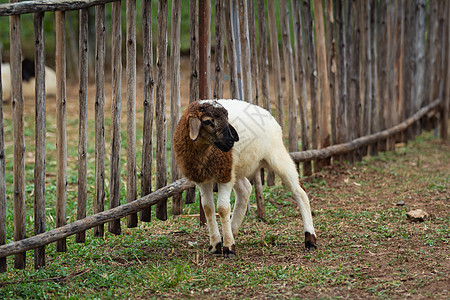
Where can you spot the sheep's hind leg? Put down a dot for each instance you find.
(285, 168)
(242, 189)
(224, 208)
(206, 191)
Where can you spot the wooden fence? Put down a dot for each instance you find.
(359, 76)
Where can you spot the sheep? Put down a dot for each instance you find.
(228, 141)
(28, 80)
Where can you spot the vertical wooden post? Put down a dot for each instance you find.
(263, 59)
(218, 53)
(61, 117)
(116, 109)
(374, 89)
(446, 99)
(313, 79)
(392, 29)
(367, 54)
(100, 34)
(82, 123)
(324, 104)
(161, 126)
(385, 44)
(409, 64)
(40, 131)
(231, 50)
(253, 52)
(273, 33)
(301, 81)
(204, 19)
(193, 80)
(148, 104)
(3, 266)
(131, 107)
(419, 44)
(290, 78)
(245, 52)
(399, 56)
(332, 68)
(354, 80)
(175, 105)
(19, 141)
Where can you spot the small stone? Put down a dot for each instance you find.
(401, 203)
(417, 215)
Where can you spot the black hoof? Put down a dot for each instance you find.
(217, 250)
(310, 241)
(229, 253)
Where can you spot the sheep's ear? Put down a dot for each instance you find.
(234, 133)
(194, 128)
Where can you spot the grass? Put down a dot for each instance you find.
(367, 248)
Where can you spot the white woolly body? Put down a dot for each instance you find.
(260, 145)
(260, 136)
(28, 87)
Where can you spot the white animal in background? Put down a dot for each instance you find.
(228, 141)
(28, 80)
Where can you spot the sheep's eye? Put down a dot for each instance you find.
(207, 123)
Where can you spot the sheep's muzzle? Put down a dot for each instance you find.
(229, 136)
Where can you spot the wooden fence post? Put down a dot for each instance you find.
(3, 266)
(446, 99)
(61, 117)
(245, 52)
(313, 79)
(82, 123)
(289, 75)
(218, 53)
(193, 78)
(161, 126)
(231, 50)
(131, 107)
(100, 34)
(302, 96)
(175, 106)
(322, 68)
(367, 62)
(273, 33)
(116, 109)
(147, 130)
(40, 131)
(373, 149)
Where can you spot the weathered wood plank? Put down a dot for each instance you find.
(302, 97)
(231, 50)
(373, 149)
(253, 52)
(131, 107)
(3, 208)
(263, 58)
(161, 126)
(367, 56)
(324, 104)
(36, 6)
(276, 66)
(193, 78)
(384, 45)
(245, 52)
(95, 220)
(341, 149)
(175, 104)
(61, 121)
(219, 51)
(445, 105)
(82, 123)
(116, 109)
(100, 35)
(40, 132)
(313, 77)
(148, 104)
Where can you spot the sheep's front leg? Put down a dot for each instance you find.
(224, 209)
(206, 191)
(242, 189)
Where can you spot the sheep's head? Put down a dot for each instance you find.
(208, 124)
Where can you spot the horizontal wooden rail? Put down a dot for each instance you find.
(95, 220)
(363, 141)
(28, 7)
